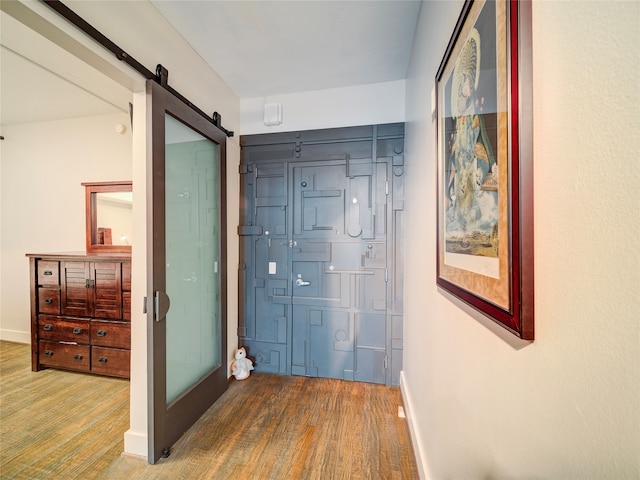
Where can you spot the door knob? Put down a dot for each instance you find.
(302, 283)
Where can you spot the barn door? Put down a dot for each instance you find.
(186, 307)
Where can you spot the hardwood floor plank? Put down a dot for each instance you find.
(56, 424)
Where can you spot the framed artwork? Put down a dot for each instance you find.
(484, 162)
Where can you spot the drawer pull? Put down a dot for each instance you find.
(77, 356)
(48, 272)
(48, 327)
(102, 359)
(48, 353)
(101, 333)
(48, 300)
(77, 330)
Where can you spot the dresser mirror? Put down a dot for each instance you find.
(109, 223)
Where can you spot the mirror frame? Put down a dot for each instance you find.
(91, 211)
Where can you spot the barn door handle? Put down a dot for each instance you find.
(161, 304)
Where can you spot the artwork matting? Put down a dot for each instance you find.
(484, 163)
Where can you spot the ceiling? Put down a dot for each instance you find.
(259, 48)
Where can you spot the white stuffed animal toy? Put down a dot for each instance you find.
(241, 366)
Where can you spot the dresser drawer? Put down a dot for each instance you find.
(49, 300)
(64, 355)
(68, 330)
(48, 272)
(110, 361)
(111, 334)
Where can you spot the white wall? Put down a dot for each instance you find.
(43, 205)
(372, 104)
(481, 404)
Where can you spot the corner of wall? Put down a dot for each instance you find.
(135, 444)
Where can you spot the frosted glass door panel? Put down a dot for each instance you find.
(191, 200)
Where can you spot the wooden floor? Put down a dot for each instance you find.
(56, 424)
(63, 425)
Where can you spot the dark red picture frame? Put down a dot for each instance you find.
(485, 255)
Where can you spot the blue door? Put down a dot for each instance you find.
(320, 277)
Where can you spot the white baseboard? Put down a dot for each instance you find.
(135, 444)
(15, 336)
(409, 412)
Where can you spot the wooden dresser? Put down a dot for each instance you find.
(81, 312)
